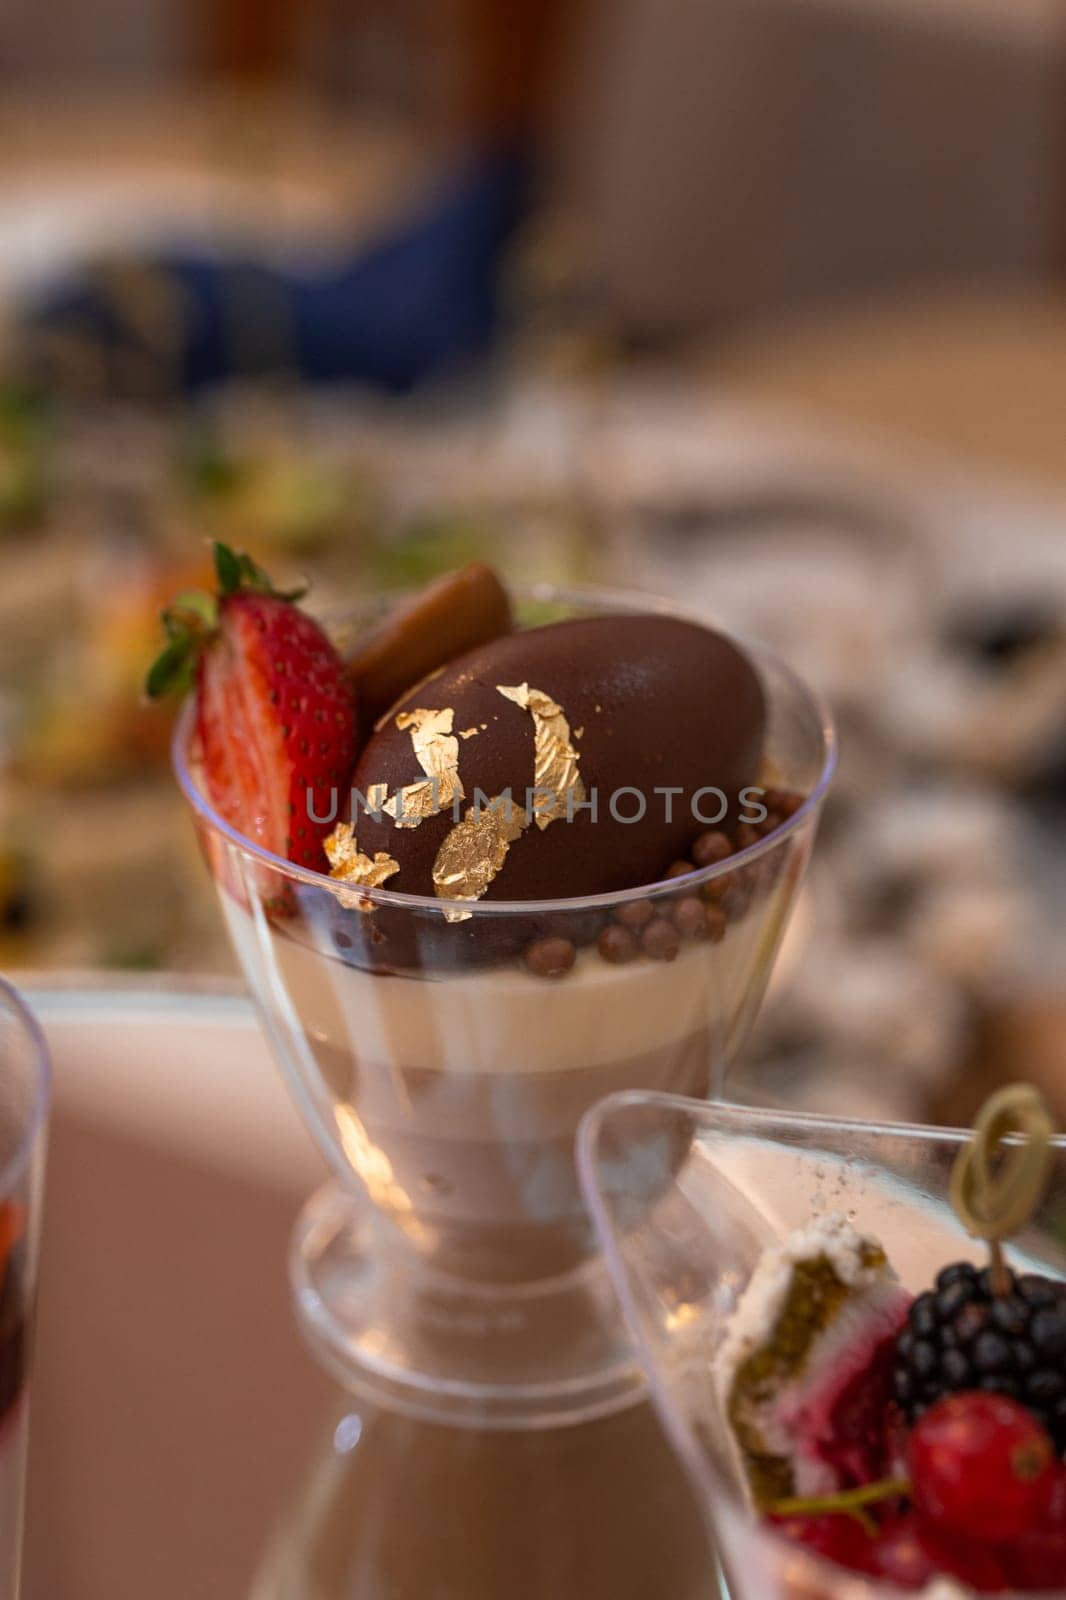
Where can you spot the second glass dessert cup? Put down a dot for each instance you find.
(682, 1242)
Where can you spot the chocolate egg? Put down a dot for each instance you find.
(578, 758)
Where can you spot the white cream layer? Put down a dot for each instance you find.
(503, 1020)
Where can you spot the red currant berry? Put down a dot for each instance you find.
(837, 1537)
(981, 1466)
(910, 1554)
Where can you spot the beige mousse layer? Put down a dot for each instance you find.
(503, 1020)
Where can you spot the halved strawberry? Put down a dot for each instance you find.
(275, 708)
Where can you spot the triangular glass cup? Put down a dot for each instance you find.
(686, 1195)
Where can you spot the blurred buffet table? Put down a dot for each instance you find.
(880, 495)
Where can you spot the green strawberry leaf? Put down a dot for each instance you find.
(237, 572)
(191, 620)
(227, 568)
(171, 669)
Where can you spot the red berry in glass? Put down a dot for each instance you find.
(982, 1467)
(835, 1536)
(910, 1554)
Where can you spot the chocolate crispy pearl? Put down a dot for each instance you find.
(711, 847)
(660, 940)
(689, 917)
(550, 958)
(635, 914)
(617, 945)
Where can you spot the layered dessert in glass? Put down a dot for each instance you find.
(552, 864)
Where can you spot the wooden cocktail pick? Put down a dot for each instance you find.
(997, 1185)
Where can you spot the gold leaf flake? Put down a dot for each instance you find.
(468, 733)
(437, 752)
(349, 864)
(414, 803)
(473, 852)
(555, 761)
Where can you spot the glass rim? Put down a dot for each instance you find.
(706, 1110)
(36, 1114)
(395, 899)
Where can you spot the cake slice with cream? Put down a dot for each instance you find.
(804, 1369)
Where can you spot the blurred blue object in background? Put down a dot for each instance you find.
(418, 301)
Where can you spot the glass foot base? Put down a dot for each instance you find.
(418, 1341)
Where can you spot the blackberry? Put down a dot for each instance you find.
(961, 1335)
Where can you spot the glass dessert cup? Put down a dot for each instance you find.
(681, 1242)
(448, 1274)
(25, 1086)
(447, 1090)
